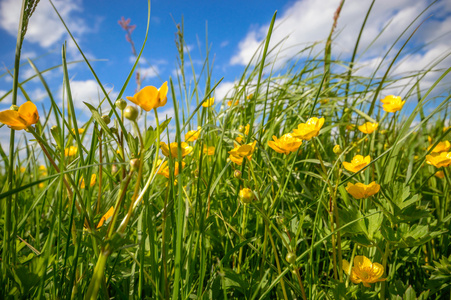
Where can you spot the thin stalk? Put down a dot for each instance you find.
(384, 264)
(279, 270)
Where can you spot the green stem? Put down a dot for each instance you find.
(384, 264)
(243, 231)
(98, 275)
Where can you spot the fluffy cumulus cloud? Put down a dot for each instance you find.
(223, 90)
(44, 28)
(308, 21)
(90, 92)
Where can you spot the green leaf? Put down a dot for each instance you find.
(350, 214)
(98, 118)
(133, 143)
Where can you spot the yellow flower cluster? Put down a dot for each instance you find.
(309, 129)
(172, 149)
(286, 144)
(364, 271)
(392, 103)
(24, 117)
(368, 127)
(91, 183)
(290, 142)
(209, 102)
(357, 163)
(439, 157)
(70, 151)
(246, 195)
(363, 191)
(164, 168)
(150, 97)
(246, 128)
(193, 135)
(240, 152)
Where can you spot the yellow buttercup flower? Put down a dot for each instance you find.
(350, 127)
(364, 271)
(150, 97)
(22, 169)
(392, 103)
(357, 163)
(440, 174)
(193, 135)
(24, 117)
(106, 216)
(80, 130)
(441, 147)
(41, 185)
(231, 102)
(173, 149)
(337, 149)
(240, 152)
(250, 96)
(286, 144)
(164, 170)
(91, 183)
(439, 160)
(446, 128)
(209, 150)
(368, 127)
(209, 102)
(363, 191)
(246, 195)
(308, 129)
(239, 138)
(71, 151)
(42, 168)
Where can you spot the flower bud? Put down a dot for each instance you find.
(114, 169)
(337, 149)
(196, 173)
(14, 107)
(113, 130)
(291, 258)
(347, 110)
(131, 113)
(121, 104)
(246, 195)
(134, 164)
(241, 128)
(106, 119)
(237, 174)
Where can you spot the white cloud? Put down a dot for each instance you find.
(38, 95)
(309, 21)
(150, 72)
(90, 92)
(44, 28)
(224, 89)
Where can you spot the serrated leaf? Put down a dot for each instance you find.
(374, 223)
(389, 234)
(133, 143)
(150, 137)
(351, 214)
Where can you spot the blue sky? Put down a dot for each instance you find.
(235, 29)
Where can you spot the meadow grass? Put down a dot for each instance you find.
(226, 216)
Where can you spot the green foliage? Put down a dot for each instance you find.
(183, 233)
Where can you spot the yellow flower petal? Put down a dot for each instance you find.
(106, 216)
